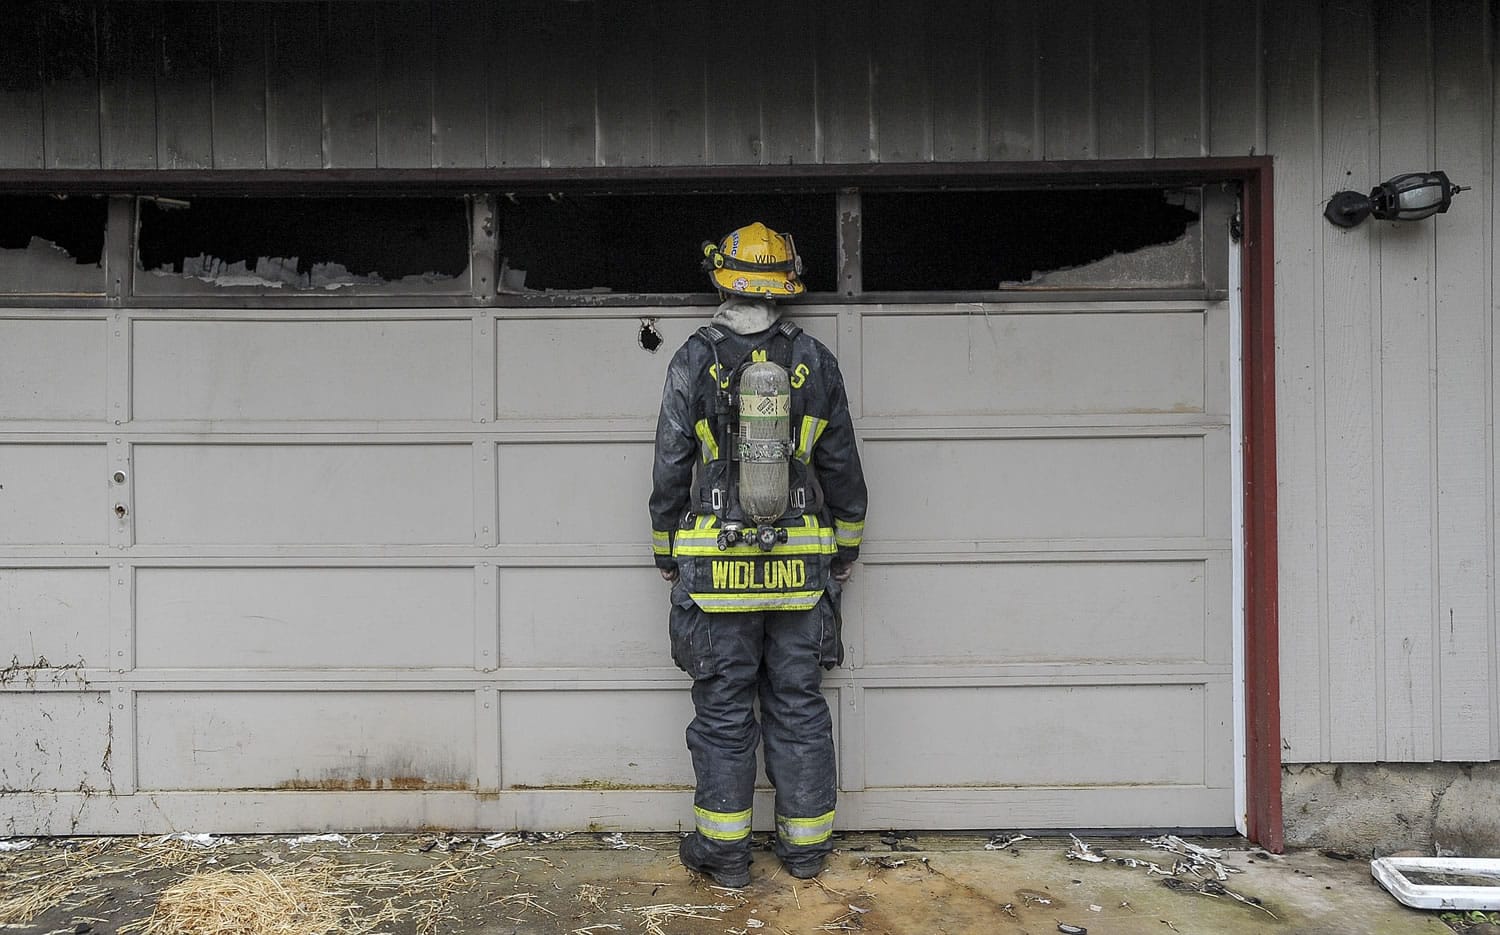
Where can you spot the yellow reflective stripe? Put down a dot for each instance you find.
(807, 439)
(722, 826)
(848, 534)
(661, 542)
(805, 831)
(789, 600)
(706, 438)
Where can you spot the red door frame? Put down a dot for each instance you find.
(1262, 675)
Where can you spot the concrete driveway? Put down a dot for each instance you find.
(590, 884)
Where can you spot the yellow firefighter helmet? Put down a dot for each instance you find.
(755, 261)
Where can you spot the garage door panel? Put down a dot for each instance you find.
(596, 368)
(304, 618)
(304, 494)
(605, 738)
(60, 615)
(583, 617)
(1037, 735)
(55, 741)
(584, 494)
(52, 369)
(595, 738)
(302, 370)
(996, 364)
(1036, 488)
(998, 612)
(331, 740)
(54, 494)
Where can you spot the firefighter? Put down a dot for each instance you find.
(757, 514)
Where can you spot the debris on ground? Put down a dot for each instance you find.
(617, 842)
(1000, 842)
(654, 918)
(1200, 862)
(1081, 851)
(900, 841)
(205, 841)
(509, 839)
(338, 839)
(19, 845)
(1197, 858)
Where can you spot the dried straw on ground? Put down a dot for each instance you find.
(313, 897)
(251, 901)
(34, 882)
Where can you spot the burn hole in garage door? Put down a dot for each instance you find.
(648, 243)
(52, 245)
(408, 245)
(987, 240)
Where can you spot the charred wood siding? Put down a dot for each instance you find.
(463, 83)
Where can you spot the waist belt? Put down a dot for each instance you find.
(742, 578)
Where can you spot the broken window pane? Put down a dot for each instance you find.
(648, 243)
(52, 246)
(392, 245)
(980, 241)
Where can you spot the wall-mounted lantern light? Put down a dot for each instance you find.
(1408, 197)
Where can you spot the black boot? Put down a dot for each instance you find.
(696, 861)
(805, 869)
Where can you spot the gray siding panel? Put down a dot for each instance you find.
(679, 82)
(1293, 134)
(184, 88)
(1464, 313)
(127, 85)
(1355, 680)
(1179, 99)
(405, 114)
(1405, 326)
(956, 54)
(21, 110)
(1067, 65)
(1122, 79)
(351, 87)
(843, 58)
(1236, 89)
(517, 117)
(790, 92)
(1013, 82)
(70, 87)
(460, 83)
(901, 94)
(569, 90)
(239, 82)
(294, 118)
(624, 92)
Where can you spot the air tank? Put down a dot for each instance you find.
(764, 442)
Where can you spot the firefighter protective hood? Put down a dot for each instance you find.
(755, 261)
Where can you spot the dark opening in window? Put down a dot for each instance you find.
(307, 243)
(52, 245)
(649, 243)
(977, 241)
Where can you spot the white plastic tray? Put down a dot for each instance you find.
(1391, 874)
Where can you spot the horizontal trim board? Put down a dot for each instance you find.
(58, 814)
(621, 179)
(583, 556)
(606, 679)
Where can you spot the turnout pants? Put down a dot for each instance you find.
(779, 655)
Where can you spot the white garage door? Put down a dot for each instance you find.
(356, 569)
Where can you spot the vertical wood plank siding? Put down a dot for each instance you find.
(1387, 376)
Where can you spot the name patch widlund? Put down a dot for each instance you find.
(785, 574)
